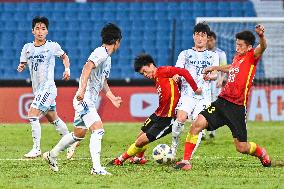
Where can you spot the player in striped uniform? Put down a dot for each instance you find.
(217, 84)
(195, 60)
(39, 56)
(93, 80)
(230, 107)
(159, 124)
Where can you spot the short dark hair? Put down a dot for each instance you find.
(110, 34)
(212, 34)
(201, 27)
(39, 19)
(247, 36)
(143, 60)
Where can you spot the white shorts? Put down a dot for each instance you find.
(192, 106)
(85, 114)
(45, 101)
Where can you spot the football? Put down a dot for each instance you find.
(162, 153)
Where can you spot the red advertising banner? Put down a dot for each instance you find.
(265, 104)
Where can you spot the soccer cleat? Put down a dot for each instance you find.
(71, 150)
(116, 162)
(264, 159)
(101, 171)
(33, 153)
(212, 134)
(137, 160)
(183, 166)
(51, 161)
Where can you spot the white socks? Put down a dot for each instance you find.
(177, 129)
(60, 127)
(64, 143)
(36, 132)
(95, 147)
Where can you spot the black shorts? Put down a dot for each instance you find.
(157, 127)
(222, 112)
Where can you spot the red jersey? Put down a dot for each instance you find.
(240, 78)
(168, 89)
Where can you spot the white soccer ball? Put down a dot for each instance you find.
(162, 153)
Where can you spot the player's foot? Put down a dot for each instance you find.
(116, 162)
(211, 134)
(71, 150)
(137, 160)
(265, 160)
(183, 165)
(51, 161)
(33, 153)
(100, 171)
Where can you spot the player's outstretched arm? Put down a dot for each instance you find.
(116, 100)
(84, 79)
(66, 73)
(21, 66)
(259, 29)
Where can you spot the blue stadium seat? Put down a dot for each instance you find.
(237, 13)
(235, 5)
(135, 15)
(58, 16)
(211, 13)
(72, 6)
(148, 6)
(173, 6)
(97, 7)
(83, 15)
(36, 6)
(96, 15)
(59, 6)
(161, 15)
(71, 15)
(121, 6)
(148, 15)
(109, 15)
(122, 15)
(109, 6)
(7, 15)
(22, 6)
(197, 6)
(186, 6)
(9, 6)
(161, 6)
(136, 6)
(186, 14)
(223, 6)
(20, 16)
(211, 6)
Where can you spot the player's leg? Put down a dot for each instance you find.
(40, 105)
(65, 142)
(60, 127)
(237, 125)
(209, 118)
(133, 149)
(93, 121)
(184, 108)
(33, 116)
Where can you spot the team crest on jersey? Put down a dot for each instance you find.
(242, 60)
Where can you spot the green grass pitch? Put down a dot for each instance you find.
(216, 163)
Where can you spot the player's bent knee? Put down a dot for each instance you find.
(142, 141)
(78, 138)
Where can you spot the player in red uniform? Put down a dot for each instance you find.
(230, 107)
(159, 123)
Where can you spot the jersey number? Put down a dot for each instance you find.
(34, 66)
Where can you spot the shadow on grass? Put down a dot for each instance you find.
(278, 163)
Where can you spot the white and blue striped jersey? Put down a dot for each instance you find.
(95, 84)
(41, 62)
(195, 61)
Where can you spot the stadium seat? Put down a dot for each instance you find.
(36, 6)
(22, 6)
(198, 6)
(211, 6)
(110, 7)
(123, 6)
(9, 6)
(148, 6)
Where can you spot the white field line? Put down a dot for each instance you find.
(87, 158)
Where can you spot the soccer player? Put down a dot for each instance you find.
(194, 60)
(40, 55)
(93, 80)
(159, 123)
(217, 84)
(230, 107)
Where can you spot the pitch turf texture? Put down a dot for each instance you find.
(215, 165)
